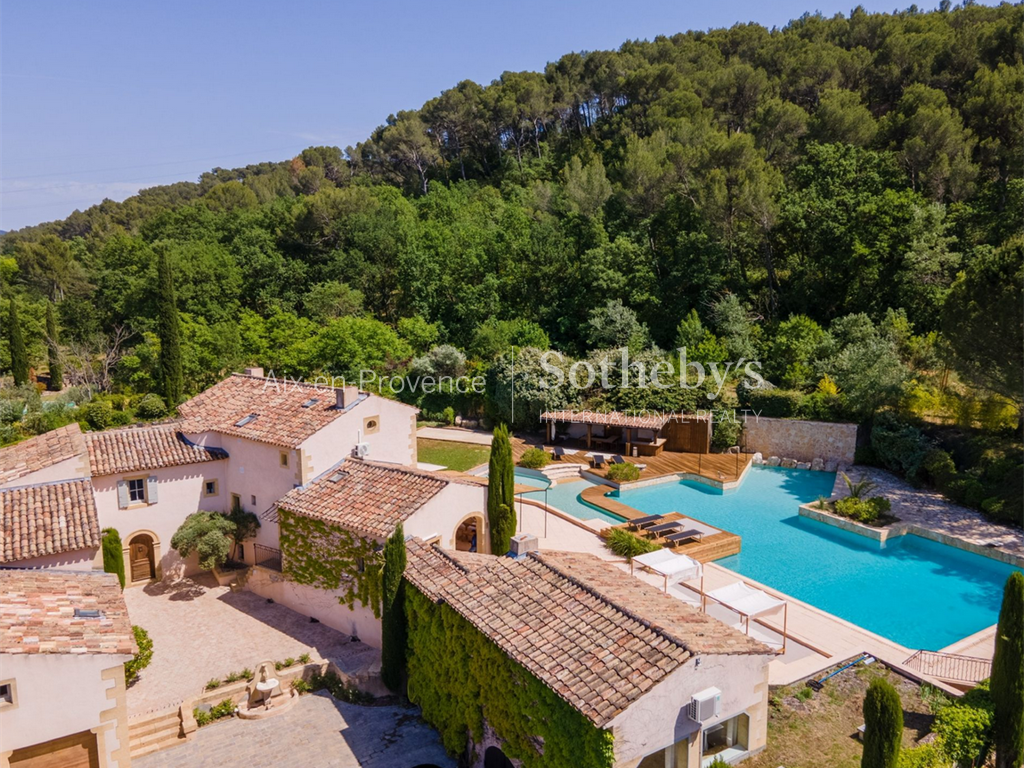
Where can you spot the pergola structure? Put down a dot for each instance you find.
(671, 566)
(642, 432)
(749, 603)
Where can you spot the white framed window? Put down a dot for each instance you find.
(137, 490)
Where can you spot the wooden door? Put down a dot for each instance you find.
(76, 751)
(142, 560)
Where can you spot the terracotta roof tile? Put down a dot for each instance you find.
(40, 452)
(286, 412)
(47, 519)
(37, 613)
(595, 635)
(364, 497)
(134, 449)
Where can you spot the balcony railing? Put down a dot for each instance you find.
(267, 557)
(950, 666)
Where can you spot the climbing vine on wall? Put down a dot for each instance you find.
(327, 556)
(460, 679)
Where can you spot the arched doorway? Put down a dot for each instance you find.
(467, 535)
(141, 557)
(495, 758)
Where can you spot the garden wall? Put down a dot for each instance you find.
(800, 440)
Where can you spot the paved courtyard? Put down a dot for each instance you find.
(318, 732)
(201, 630)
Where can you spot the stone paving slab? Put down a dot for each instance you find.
(318, 732)
(933, 511)
(201, 630)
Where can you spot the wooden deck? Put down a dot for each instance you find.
(721, 467)
(713, 547)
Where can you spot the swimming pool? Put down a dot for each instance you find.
(565, 497)
(914, 591)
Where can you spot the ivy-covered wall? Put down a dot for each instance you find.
(460, 679)
(329, 557)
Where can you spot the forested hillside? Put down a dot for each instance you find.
(840, 199)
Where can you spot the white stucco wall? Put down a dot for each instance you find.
(394, 441)
(78, 560)
(58, 695)
(322, 604)
(659, 719)
(74, 468)
(442, 514)
(179, 494)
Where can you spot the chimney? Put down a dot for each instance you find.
(258, 372)
(521, 545)
(346, 396)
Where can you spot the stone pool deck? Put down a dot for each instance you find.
(930, 514)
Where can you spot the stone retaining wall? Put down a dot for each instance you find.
(800, 440)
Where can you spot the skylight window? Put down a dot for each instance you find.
(338, 475)
(246, 420)
(311, 402)
(88, 613)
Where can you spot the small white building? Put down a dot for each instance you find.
(64, 639)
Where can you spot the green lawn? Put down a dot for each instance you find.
(457, 456)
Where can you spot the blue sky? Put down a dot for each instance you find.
(99, 99)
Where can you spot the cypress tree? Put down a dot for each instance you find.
(113, 554)
(392, 654)
(19, 353)
(169, 330)
(883, 726)
(53, 351)
(1007, 684)
(501, 511)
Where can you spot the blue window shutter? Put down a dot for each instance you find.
(151, 496)
(122, 494)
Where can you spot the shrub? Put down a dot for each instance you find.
(202, 718)
(141, 659)
(301, 686)
(212, 683)
(121, 418)
(232, 678)
(97, 414)
(628, 545)
(151, 407)
(212, 535)
(245, 674)
(113, 554)
(338, 688)
(964, 732)
(773, 403)
(534, 458)
(217, 712)
(289, 662)
(726, 430)
(870, 511)
(623, 473)
(304, 658)
(926, 756)
(448, 416)
(899, 447)
(940, 467)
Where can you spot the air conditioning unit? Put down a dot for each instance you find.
(362, 450)
(706, 705)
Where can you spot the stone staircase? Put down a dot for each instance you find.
(154, 732)
(562, 470)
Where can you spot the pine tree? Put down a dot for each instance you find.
(53, 350)
(883, 726)
(169, 330)
(392, 653)
(1007, 684)
(19, 354)
(501, 511)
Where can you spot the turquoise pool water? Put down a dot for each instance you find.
(565, 497)
(913, 591)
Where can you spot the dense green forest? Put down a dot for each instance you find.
(840, 199)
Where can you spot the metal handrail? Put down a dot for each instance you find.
(267, 557)
(950, 666)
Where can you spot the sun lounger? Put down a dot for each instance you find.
(644, 522)
(678, 538)
(598, 459)
(559, 452)
(616, 459)
(663, 528)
